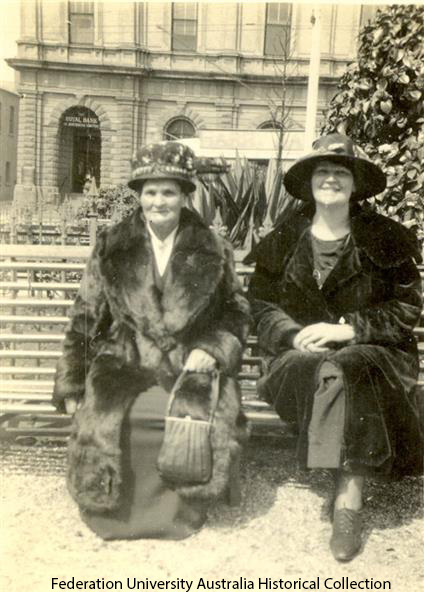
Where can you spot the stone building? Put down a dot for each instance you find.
(9, 111)
(99, 79)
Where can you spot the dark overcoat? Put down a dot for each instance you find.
(125, 336)
(375, 286)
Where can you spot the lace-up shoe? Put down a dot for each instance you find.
(346, 538)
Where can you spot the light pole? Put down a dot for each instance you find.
(313, 79)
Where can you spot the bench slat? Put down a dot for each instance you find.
(44, 320)
(35, 302)
(19, 354)
(32, 337)
(45, 398)
(26, 408)
(252, 360)
(270, 416)
(59, 266)
(45, 251)
(31, 285)
(26, 386)
(249, 375)
(254, 404)
(21, 370)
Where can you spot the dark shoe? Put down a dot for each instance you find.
(346, 538)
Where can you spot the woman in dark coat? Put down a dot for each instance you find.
(335, 296)
(159, 296)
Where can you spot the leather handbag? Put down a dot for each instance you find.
(185, 456)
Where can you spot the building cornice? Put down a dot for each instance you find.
(25, 63)
(133, 48)
(4, 89)
(139, 61)
(137, 71)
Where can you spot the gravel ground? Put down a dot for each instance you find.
(281, 530)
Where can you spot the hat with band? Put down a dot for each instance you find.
(171, 160)
(369, 178)
(164, 160)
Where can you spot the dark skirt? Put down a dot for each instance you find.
(149, 508)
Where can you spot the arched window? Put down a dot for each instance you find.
(270, 125)
(179, 128)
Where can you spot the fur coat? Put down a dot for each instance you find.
(375, 286)
(124, 336)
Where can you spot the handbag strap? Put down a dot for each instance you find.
(214, 393)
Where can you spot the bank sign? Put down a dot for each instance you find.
(81, 120)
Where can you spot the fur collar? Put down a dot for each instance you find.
(385, 242)
(195, 270)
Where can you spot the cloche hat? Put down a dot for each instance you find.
(369, 178)
(171, 160)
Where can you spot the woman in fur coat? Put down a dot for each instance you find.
(159, 296)
(335, 296)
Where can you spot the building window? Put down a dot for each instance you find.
(367, 14)
(179, 128)
(277, 29)
(81, 22)
(267, 125)
(12, 120)
(184, 26)
(7, 175)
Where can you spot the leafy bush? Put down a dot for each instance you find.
(380, 104)
(112, 203)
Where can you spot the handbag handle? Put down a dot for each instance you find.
(214, 393)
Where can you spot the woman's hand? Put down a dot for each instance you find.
(199, 361)
(315, 338)
(70, 405)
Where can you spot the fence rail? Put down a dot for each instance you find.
(59, 225)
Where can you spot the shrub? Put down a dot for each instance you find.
(112, 203)
(245, 202)
(380, 104)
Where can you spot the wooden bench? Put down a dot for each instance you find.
(38, 284)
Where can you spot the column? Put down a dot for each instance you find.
(25, 192)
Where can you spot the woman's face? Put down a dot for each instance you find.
(332, 183)
(162, 200)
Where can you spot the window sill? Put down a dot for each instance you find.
(82, 44)
(184, 51)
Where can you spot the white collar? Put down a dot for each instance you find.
(166, 241)
(162, 249)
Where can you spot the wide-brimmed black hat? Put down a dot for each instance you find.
(369, 178)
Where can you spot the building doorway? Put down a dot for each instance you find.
(79, 150)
